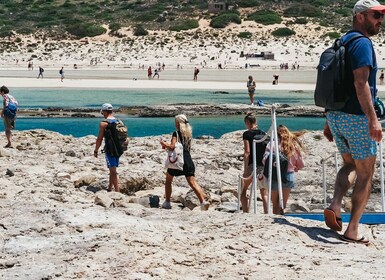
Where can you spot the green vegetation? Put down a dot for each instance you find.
(333, 35)
(265, 17)
(140, 31)
(283, 32)
(245, 35)
(225, 19)
(185, 25)
(248, 3)
(77, 18)
(301, 21)
(303, 10)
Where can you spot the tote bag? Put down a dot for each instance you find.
(174, 158)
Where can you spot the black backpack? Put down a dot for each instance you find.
(283, 162)
(334, 76)
(115, 138)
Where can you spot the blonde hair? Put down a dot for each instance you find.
(289, 141)
(184, 128)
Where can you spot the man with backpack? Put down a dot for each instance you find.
(115, 138)
(8, 113)
(355, 127)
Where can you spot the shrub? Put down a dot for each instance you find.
(301, 21)
(333, 35)
(223, 20)
(283, 32)
(344, 12)
(245, 35)
(248, 3)
(185, 25)
(145, 17)
(115, 26)
(140, 31)
(81, 30)
(265, 17)
(302, 10)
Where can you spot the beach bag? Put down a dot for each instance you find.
(334, 77)
(261, 146)
(283, 163)
(174, 158)
(115, 138)
(11, 110)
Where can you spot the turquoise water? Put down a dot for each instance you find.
(138, 127)
(93, 98)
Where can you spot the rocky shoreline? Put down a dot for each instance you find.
(58, 221)
(174, 109)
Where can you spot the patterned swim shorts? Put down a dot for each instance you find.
(351, 134)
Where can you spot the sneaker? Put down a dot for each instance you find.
(166, 205)
(205, 206)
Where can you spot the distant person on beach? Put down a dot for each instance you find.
(111, 158)
(61, 72)
(196, 72)
(355, 128)
(156, 73)
(8, 113)
(41, 70)
(248, 152)
(251, 89)
(149, 73)
(30, 65)
(183, 133)
(382, 77)
(290, 146)
(275, 81)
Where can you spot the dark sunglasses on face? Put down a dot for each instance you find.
(377, 15)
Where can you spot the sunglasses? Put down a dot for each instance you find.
(377, 15)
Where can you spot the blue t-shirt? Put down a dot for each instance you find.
(360, 54)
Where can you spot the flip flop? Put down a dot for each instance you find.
(361, 240)
(331, 220)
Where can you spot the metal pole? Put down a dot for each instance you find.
(239, 193)
(270, 175)
(255, 176)
(382, 177)
(336, 161)
(276, 148)
(324, 181)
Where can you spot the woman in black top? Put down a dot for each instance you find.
(248, 137)
(184, 130)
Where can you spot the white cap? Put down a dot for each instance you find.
(364, 5)
(106, 107)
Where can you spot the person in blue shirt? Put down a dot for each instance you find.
(355, 128)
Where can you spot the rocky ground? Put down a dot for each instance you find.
(58, 222)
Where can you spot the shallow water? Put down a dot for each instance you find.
(138, 127)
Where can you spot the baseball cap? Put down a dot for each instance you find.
(106, 107)
(364, 5)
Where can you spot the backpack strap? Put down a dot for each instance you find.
(354, 37)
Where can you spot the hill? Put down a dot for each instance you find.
(80, 18)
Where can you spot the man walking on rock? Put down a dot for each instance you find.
(355, 128)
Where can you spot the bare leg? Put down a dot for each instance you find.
(285, 194)
(344, 181)
(168, 188)
(113, 179)
(196, 188)
(8, 135)
(251, 95)
(275, 199)
(361, 193)
(264, 197)
(244, 200)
